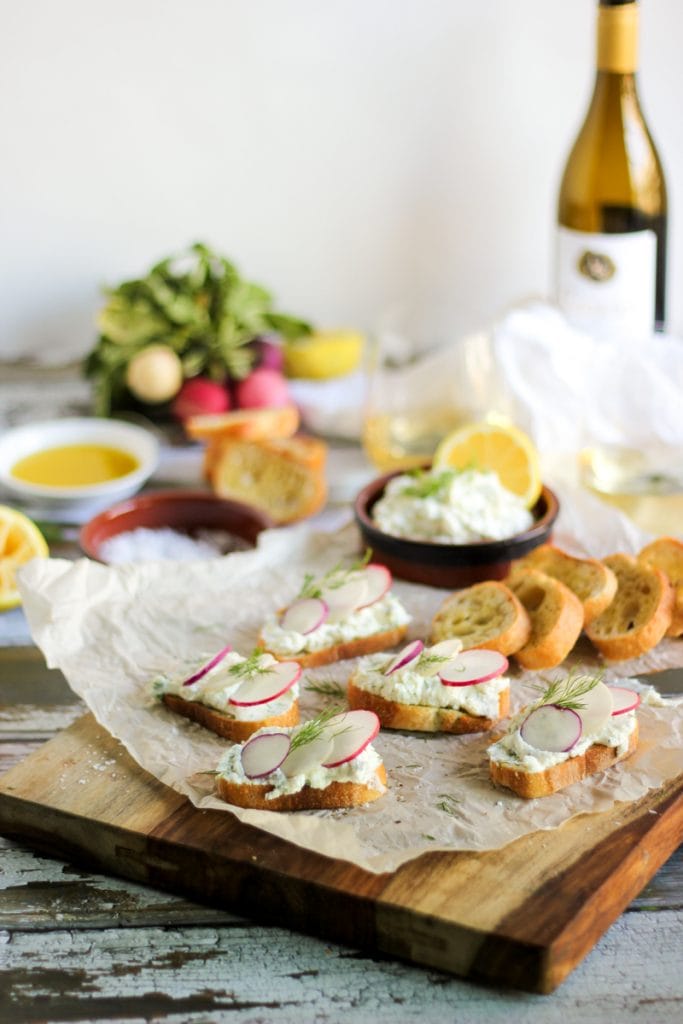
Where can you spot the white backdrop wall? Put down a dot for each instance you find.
(365, 159)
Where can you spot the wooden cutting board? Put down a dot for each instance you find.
(524, 916)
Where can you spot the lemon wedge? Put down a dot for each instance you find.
(323, 354)
(499, 447)
(20, 541)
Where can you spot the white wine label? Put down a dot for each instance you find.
(606, 283)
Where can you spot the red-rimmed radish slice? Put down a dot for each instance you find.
(597, 708)
(305, 615)
(351, 732)
(200, 673)
(309, 755)
(409, 653)
(267, 685)
(345, 599)
(378, 580)
(263, 754)
(551, 728)
(471, 667)
(623, 699)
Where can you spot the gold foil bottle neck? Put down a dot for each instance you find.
(618, 38)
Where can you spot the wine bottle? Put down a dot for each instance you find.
(611, 253)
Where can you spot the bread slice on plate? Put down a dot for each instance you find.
(639, 614)
(666, 553)
(556, 615)
(333, 796)
(228, 727)
(423, 718)
(591, 580)
(487, 615)
(354, 648)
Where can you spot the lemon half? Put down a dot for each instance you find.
(20, 541)
(504, 449)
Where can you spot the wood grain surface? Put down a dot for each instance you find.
(523, 916)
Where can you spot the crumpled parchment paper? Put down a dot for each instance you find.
(112, 629)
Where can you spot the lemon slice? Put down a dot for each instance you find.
(20, 541)
(502, 448)
(323, 354)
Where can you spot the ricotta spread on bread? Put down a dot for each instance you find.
(216, 686)
(361, 769)
(385, 614)
(450, 507)
(412, 685)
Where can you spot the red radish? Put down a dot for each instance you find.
(305, 615)
(344, 600)
(308, 755)
(623, 699)
(200, 395)
(551, 728)
(262, 388)
(378, 580)
(268, 354)
(263, 754)
(216, 660)
(471, 667)
(267, 685)
(597, 708)
(409, 653)
(351, 732)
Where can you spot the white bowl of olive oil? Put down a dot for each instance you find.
(60, 464)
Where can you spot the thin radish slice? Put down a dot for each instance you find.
(597, 708)
(471, 667)
(263, 754)
(409, 653)
(378, 580)
(623, 699)
(551, 728)
(351, 732)
(216, 660)
(309, 755)
(441, 653)
(345, 599)
(305, 615)
(267, 685)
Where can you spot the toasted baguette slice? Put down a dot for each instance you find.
(246, 424)
(348, 649)
(592, 581)
(337, 794)
(422, 718)
(640, 613)
(224, 725)
(534, 784)
(556, 616)
(284, 478)
(666, 553)
(485, 615)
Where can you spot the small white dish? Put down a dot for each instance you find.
(35, 437)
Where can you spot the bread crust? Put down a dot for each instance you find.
(245, 424)
(556, 618)
(640, 613)
(509, 628)
(535, 784)
(348, 649)
(666, 553)
(423, 718)
(229, 728)
(592, 581)
(337, 794)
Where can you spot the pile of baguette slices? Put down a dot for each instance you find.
(625, 604)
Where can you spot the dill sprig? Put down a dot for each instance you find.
(427, 659)
(567, 692)
(251, 666)
(427, 483)
(310, 730)
(326, 687)
(334, 578)
(449, 804)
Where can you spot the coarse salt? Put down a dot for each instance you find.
(165, 544)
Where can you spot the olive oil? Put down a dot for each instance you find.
(74, 465)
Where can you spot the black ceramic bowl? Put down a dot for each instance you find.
(450, 565)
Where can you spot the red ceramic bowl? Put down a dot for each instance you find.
(450, 565)
(185, 511)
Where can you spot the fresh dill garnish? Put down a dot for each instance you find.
(424, 835)
(449, 804)
(251, 666)
(326, 687)
(310, 730)
(427, 483)
(337, 576)
(426, 659)
(567, 692)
